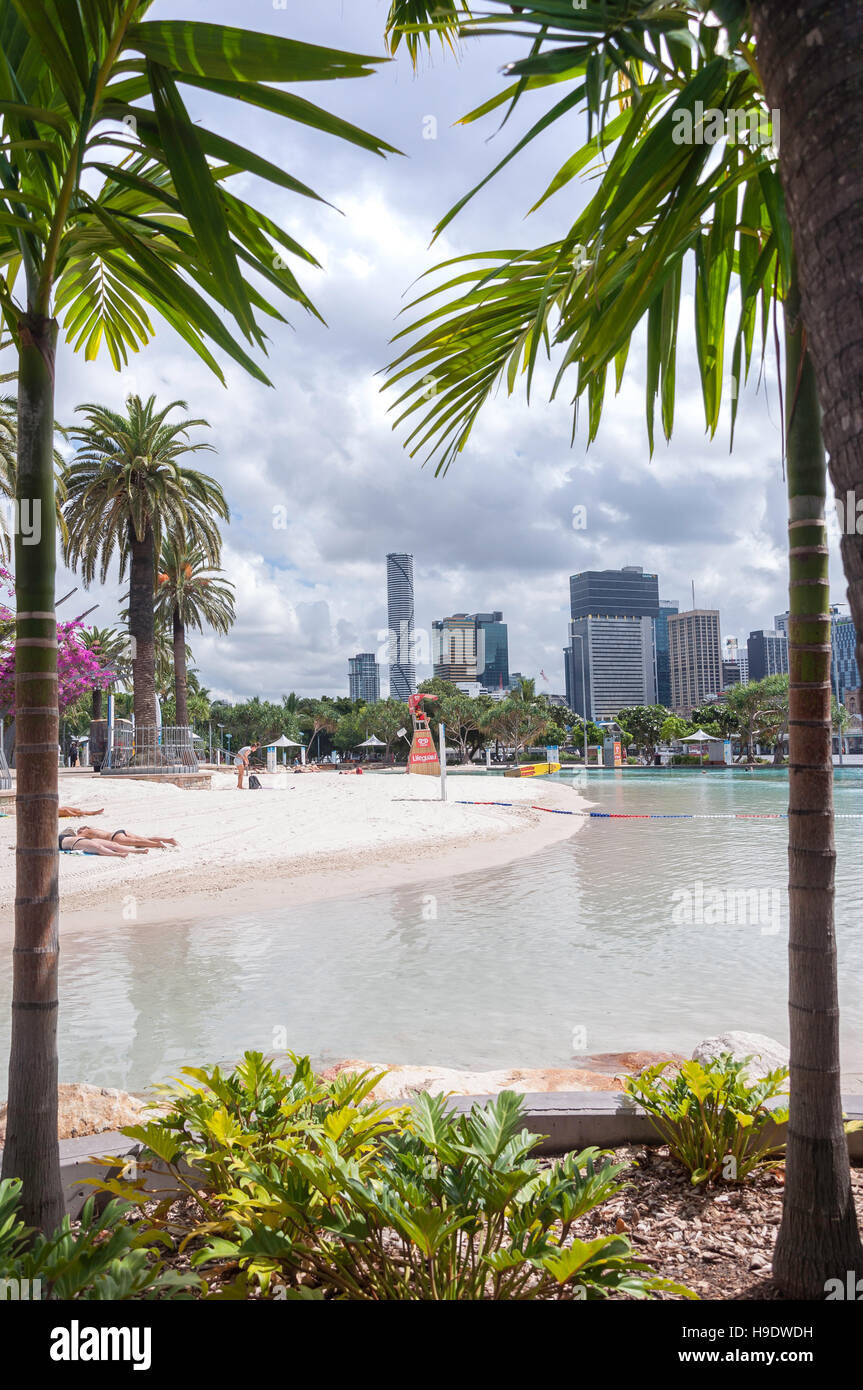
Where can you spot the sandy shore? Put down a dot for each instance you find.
(312, 836)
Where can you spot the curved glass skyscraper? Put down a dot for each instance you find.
(400, 620)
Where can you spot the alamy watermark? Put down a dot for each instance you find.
(707, 125)
(702, 906)
(23, 517)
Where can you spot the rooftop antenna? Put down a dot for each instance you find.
(693, 593)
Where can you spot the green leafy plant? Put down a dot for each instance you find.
(713, 1119)
(104, 1258)
(307, 1189)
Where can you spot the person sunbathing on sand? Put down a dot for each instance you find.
(122, 837)
(74, 811)
(70, 843)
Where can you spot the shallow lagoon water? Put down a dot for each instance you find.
(582, 947)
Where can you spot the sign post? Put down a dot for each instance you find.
(423, 755)
(442, 745)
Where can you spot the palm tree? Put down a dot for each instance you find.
(112, 648)
(127, 489)
(190, 592)
(9, 467)
(115, 203)
(647, 74)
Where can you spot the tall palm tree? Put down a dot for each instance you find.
(190, 592)
(647, 74)
(112, 648)
(127, 489)
(114, 202)
(9, 469)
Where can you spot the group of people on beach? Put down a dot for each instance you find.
(242, 762)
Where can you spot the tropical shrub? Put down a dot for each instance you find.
(105, 1258)
(303, 1189)
(713, 1119)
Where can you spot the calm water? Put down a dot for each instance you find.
(488, 969)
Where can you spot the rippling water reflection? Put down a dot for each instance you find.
(490, 969)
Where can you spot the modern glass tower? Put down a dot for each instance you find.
(400, 621)
(663, 659)
(364, 678)
(493, 650)
(844, 674)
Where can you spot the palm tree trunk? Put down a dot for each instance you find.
(818, 1238)
(96, 703)
(142, 572)
(32, 1152)
(809, 60)
(180, 680)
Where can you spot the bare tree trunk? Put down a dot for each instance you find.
(809, 59)
(142, 572)
(31, 1152)
(180, 678)
(818, 1239)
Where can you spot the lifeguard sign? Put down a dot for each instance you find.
(423, 756)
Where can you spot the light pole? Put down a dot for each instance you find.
(577, 638)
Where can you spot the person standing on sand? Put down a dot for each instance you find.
(241, 762)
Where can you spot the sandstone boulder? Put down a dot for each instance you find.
(87, 1109)
(767, 1054)
(401, 1082)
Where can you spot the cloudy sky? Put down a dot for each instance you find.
(318, 449)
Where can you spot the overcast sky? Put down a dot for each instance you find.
(497, 531)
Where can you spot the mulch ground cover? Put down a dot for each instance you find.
(717, 1240)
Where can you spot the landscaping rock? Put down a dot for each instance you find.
(87, 1110)
(401, 1082)
(767, 1054)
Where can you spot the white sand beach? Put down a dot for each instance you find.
(309, 837)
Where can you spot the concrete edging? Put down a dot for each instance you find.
(568, 1120)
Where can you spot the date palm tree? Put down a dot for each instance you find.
(669, 191)
(115, 203)
(190, 593)
(112, 648)
(127, 489)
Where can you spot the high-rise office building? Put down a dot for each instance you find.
(663, 660)
(364, 677)
(493, 646)
(767, 650)
(454, 648)
(624, 593)
(730, 673)
(609, 665)
(737, 656)
(472, 647)
(400, 617)
(612, 639)
(696, 657)
(844, 674)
